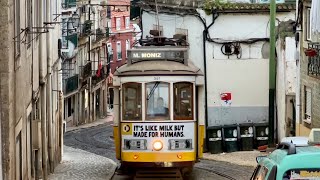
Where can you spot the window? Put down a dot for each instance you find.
(302, 174)
(155, 27)
(183, 101)
(127, 22)
(127, 47)
(17, 28)
(308, 24)
(119, 52)
(110, 52)
(29, 21)
(308, 104)
(118, 23)
(157, 97)
(132, 104)
(260, 173)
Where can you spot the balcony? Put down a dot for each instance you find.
(69, 3)
(72, 84)
(86, 28)
(86, 71)
(313, 54)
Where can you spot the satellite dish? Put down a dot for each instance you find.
(70, 52)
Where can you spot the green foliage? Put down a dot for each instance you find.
(210, 5)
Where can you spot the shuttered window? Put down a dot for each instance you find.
(308, 103)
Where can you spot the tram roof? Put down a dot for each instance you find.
(158, 68)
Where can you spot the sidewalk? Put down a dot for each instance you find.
(78, 164)
(81, 165)
(242, 158)
(108, 118)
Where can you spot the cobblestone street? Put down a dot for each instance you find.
(82, 165)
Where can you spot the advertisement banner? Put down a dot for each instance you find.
(164, 132)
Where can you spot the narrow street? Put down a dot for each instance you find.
(98, 140)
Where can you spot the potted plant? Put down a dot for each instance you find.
(311, 52)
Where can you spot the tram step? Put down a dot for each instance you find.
(169, 174)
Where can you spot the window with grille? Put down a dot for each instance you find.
(308, 104)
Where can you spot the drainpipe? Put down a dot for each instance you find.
(49, 92)
(204, 39)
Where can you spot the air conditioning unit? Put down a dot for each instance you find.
(36, 134)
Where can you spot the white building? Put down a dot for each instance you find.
(236, 54)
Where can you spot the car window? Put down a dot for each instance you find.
(260, 173)
(295, 174)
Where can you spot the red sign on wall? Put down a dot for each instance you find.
(225, 99)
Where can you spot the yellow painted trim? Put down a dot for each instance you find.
(157, 156)
(201, 132)
(116, 136)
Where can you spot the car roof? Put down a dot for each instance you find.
(307, 156)
(298, 140)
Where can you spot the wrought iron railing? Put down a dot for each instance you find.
(72, 83)
(313, 54)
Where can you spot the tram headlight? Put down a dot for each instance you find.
(157, 145)
(180, 144)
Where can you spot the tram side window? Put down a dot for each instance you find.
(157, 99)
(131, 101)
(183, 101)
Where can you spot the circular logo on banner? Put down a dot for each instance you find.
(126, 128)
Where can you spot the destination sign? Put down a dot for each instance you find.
(148, 55)
(157, 54)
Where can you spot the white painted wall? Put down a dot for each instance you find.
(286, 81)
(246, 78)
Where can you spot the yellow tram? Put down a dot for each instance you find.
(156, 110)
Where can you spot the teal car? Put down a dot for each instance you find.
(291, 161)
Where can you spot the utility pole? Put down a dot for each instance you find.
(272, 71)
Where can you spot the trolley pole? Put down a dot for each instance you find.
(272, 71)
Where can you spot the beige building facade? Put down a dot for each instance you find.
(308, 106)
(30, 89)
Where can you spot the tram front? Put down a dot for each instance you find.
(155, 109)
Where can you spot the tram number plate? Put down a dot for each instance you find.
(156, 78)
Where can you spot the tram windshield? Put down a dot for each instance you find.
(183, 101)
(157, 101)
(132, 106)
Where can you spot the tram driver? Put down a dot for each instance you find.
(161, 109)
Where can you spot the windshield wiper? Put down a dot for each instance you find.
(152, 90)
